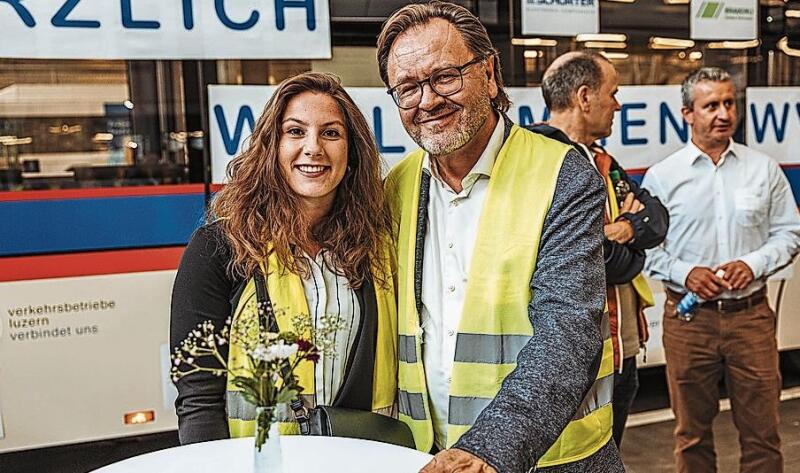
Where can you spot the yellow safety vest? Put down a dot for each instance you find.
(639, 282)
(494, 324)
(286, 292)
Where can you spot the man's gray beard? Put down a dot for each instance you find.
(441, 144)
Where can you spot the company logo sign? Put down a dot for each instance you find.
(710, 9)
(731, 19)
(560, 17)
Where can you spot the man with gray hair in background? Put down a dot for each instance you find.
(580, 90)
(733, 222)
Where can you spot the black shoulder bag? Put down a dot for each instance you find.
(337, 421)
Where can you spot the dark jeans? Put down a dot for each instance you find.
(626, 385)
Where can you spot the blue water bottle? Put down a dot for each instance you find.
(687, 305)
(690, 302)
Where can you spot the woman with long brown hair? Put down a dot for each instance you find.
(304, 209)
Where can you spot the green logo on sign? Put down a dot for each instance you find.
(710, 9)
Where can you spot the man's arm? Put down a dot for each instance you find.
(784, 229)
(622, 262)
(660, 264)
(650, 225)
(558, 365)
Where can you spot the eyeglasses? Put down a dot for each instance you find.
(444, 82)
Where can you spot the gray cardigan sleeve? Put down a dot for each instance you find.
(560, 362)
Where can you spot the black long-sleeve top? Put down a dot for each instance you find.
(623, 262)
(203, 291)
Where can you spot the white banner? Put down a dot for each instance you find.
(773, 121)
(165, 29)
(723, 20)
(648, 128)
(560, 17)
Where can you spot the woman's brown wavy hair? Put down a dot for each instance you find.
(258, 207)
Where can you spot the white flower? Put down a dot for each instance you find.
(260, 352)
(278, 351)
(284, 351)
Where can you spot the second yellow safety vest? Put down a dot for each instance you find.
(288, 298)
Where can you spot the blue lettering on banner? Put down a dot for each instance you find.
(60, 18)
(628, 123)
(281, 5)
(526, 115)
(378, 129)
(219, 6)
(232, 141)
(188, 15)
(665, 115)
(760, 127)
(129, 22)
(23, 12)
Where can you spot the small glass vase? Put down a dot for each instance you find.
(267, 458)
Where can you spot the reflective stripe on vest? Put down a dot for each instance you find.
(495, 324)
(288, 298)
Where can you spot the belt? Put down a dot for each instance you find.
(729, 305)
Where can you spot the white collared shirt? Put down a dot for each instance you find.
(740, 209)
(329, 293)
(449, 241)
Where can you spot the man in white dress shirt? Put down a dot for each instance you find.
(731, 208)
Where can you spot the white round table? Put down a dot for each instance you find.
(300, 454)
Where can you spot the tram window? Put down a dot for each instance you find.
(91, 123)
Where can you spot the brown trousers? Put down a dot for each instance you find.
(741, 346)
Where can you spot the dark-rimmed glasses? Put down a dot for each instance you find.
(445, 82)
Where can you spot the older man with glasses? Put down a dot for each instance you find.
(505, 356)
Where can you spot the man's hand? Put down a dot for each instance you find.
(454, 460)
(703, 282)
(738, 274)
(620, 232)
(631, 204)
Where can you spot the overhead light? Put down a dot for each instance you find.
(532, 54)
(65, 129)
(611, 56)
(103, 137)
(792, 14)
(14, 141)
(695, 55)
(617, 37)
(128, 104)
(657, 42)
(783, 45)
(604, 45)
(533, 42)
(734, 44)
